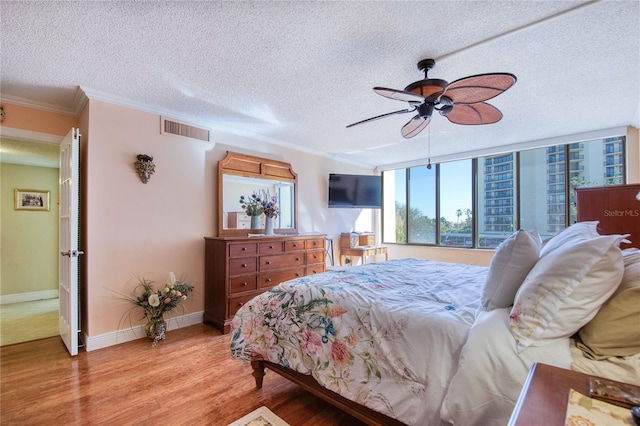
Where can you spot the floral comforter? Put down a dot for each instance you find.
(386, 335)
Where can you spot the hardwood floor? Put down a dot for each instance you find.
(187, 379)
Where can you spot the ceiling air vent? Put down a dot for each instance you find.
(176, 128)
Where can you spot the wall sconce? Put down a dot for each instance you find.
(145, 167)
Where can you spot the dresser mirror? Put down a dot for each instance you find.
(243, 175)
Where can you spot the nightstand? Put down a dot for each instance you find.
(544, 396)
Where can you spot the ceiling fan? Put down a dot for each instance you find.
(461, 102)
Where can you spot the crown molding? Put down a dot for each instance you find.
(28, 135)
(42, 106)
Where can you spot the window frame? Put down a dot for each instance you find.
(560, 149)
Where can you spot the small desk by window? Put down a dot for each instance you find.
(363, 252)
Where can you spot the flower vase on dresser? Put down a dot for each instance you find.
(268, 225)
(255, 222)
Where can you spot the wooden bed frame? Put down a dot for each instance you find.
(309, 384)
(623, 198)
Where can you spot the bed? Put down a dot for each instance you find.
(418, 342)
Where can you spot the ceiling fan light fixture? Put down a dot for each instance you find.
(425, 110)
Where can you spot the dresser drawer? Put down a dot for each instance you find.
(315, 243)
(315, 269)
(279, 261)
(295, 245)
(242, 266)
(236, 303)
(271, 248)
(243, 249)
(243, 283)
(315, 256)
(269, 279)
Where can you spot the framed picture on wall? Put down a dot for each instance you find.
(31, 199)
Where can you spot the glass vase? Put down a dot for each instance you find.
(268, 226)
(255, 222)
(156, 329)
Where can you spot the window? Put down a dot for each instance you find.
(422, 216)
(496, 212)
(394, 212)
(531, 189)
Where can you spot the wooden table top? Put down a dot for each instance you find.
(544, 396)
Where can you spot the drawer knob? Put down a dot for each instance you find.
(240, 303)
(295, 245)
(244, 284)
(297, 274)
(297, 259)
(268, 262)
(270, 247)
(244, 249)
(244, 265)
(315, 257)
(268, 280)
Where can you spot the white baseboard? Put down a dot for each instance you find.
(28, 297)
(93, 343)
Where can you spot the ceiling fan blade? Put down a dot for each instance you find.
(398, 95)
(473, 114)
(402, 111)
(479, 88)
(415, 126)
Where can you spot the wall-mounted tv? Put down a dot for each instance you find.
(355, 191)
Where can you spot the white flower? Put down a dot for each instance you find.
(154, 300)
(184, 297)
(171, 281)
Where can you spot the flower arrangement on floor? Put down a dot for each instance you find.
(156, 303)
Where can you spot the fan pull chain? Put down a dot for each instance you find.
(429, 149)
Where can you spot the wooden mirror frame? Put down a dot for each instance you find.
(255, 167)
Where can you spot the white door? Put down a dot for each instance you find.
(68, 240)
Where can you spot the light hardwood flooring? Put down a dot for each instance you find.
(26, 321)
(187, 379)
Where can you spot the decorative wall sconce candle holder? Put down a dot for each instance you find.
(145, 167)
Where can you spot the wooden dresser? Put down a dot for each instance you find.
(239, 268)
(616, 207)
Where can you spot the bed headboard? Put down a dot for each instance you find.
(617, 208)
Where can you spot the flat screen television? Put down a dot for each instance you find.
(355, 191)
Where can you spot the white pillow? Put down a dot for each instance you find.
(564, 291)
(510, 265)
(491, 372)
(577, 232)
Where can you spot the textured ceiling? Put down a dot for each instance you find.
(296, 73)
